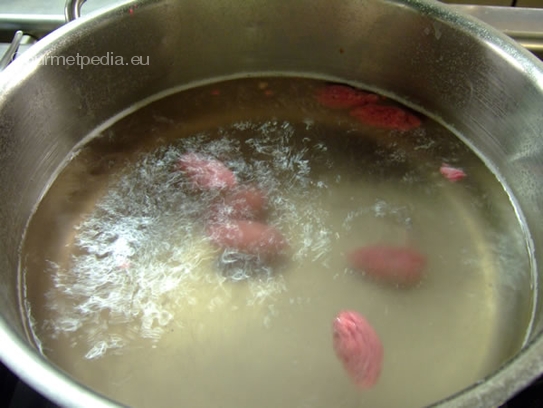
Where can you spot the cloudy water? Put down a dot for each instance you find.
(128, 290)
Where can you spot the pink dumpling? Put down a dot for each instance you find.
(250, 237)
(452, 173)
(394, 264)
(358, 347)
(206, 173)
(386, 117)
(344, 97)
(243, 203)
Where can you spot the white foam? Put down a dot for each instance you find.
(142, 254)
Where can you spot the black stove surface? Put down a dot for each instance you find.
(14, 393)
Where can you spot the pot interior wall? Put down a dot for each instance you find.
(478, 84)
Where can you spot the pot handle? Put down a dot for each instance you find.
(72, 9)
(12, 50)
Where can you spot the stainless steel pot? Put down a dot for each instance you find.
(464, 73)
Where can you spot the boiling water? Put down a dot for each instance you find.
(124, 291)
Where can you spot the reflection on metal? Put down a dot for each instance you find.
(524, 25)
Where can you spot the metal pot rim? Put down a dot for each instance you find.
(27, 363)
